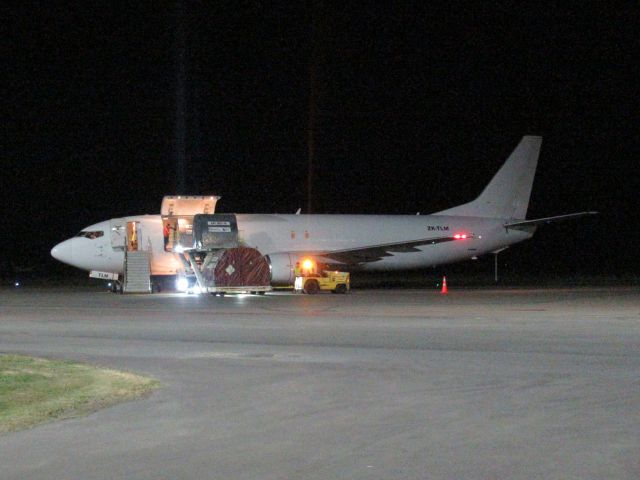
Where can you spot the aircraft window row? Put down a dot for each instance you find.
(91, 235)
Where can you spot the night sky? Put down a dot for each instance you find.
(417, 108)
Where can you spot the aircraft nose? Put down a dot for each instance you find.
(62, 252)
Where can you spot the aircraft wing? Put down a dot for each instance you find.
(374, 253)
(542, 221)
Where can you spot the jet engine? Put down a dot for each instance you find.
(282, 265)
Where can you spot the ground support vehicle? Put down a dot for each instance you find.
(312, 283)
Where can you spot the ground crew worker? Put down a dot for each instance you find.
(296, 270)
(165, 234)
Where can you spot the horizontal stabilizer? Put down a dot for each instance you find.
(542, 221)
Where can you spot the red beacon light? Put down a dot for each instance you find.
(460, 236)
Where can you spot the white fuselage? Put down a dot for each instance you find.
(491, 222)
(298, 235)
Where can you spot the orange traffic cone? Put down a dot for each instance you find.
(445, 290)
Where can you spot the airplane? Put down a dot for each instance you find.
(495, 220)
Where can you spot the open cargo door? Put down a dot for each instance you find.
(188, 205)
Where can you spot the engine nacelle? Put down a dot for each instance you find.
(282, 268)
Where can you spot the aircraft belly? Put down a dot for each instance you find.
(164, 263)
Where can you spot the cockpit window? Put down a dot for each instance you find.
(91, 235)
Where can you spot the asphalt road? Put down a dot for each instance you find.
(479, 384)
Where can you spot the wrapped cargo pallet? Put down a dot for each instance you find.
(239, 269)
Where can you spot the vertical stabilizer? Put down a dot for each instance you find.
(507, 195)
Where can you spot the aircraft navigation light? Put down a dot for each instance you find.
(460, 236)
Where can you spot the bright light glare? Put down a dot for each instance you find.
(17, 284)
(307, 264)
(182, 284)
(460, 236)
(179, 249)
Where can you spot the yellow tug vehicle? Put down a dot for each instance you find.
(310, 280)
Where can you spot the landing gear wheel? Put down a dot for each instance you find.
(311, 287)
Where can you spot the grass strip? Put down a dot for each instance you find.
(36, 390)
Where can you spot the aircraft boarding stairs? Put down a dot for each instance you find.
(137, 272)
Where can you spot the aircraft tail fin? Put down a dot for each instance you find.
(508, 193)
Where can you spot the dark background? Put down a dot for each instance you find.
(418, 107)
